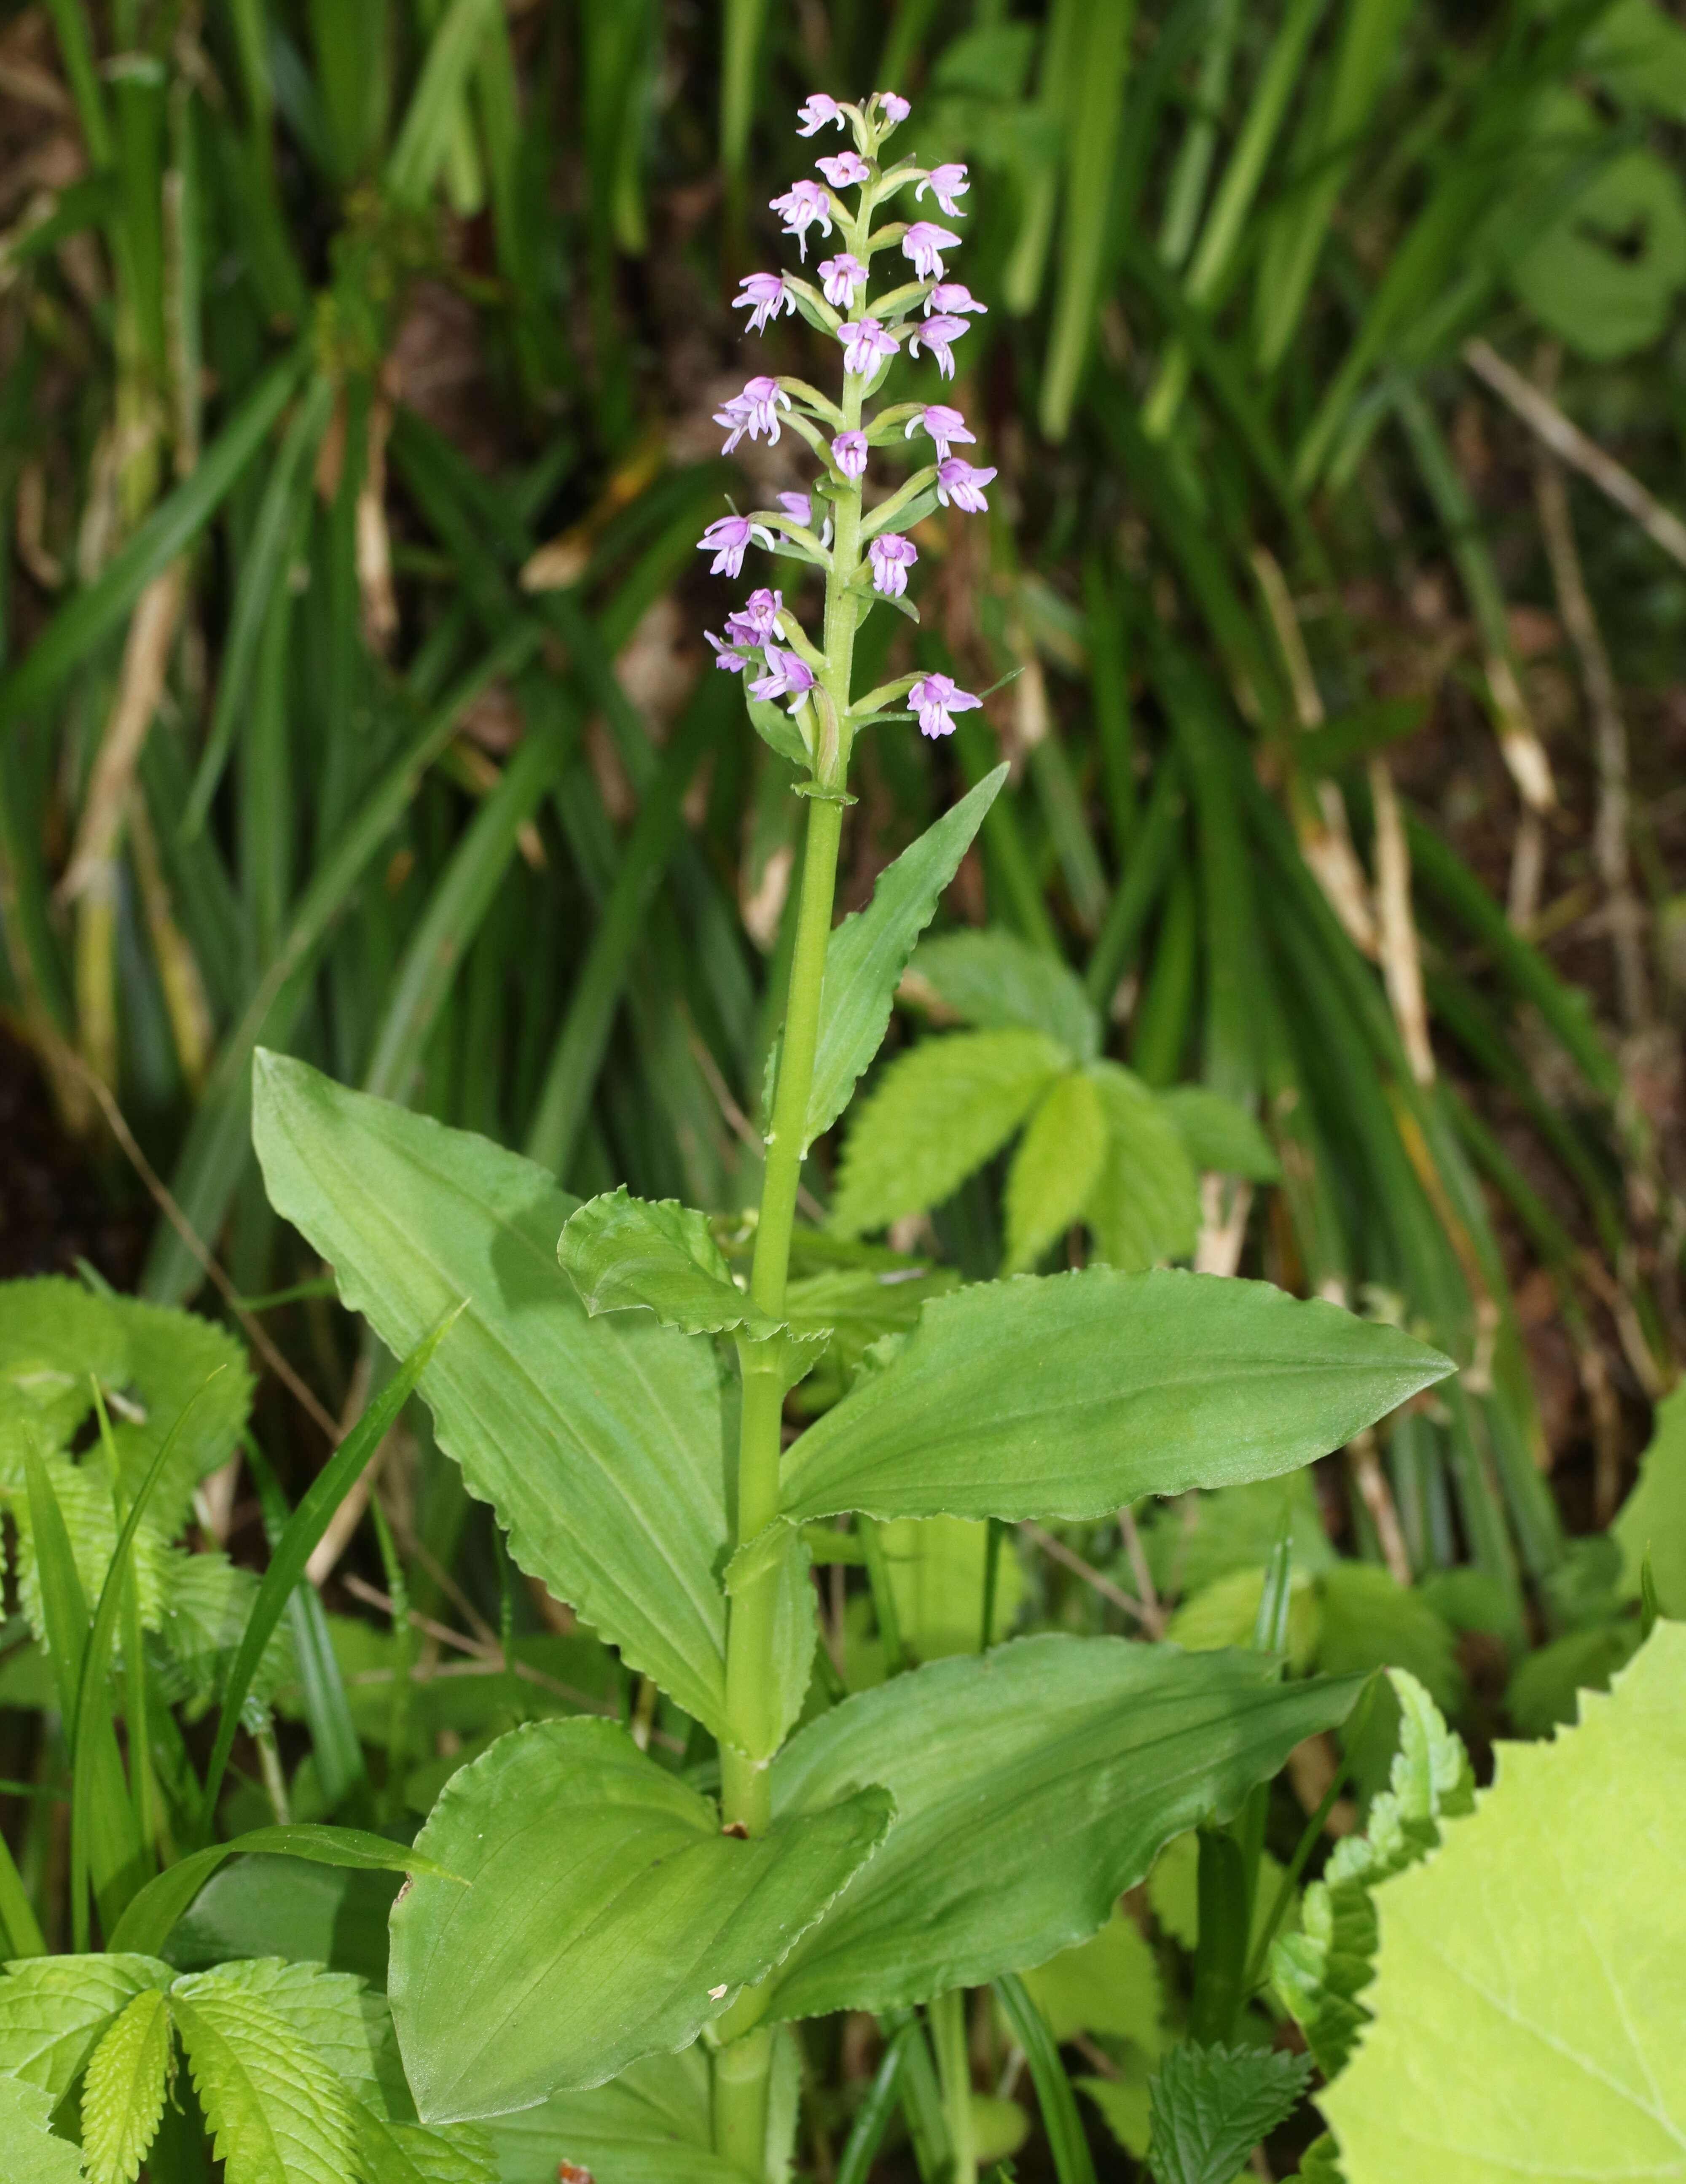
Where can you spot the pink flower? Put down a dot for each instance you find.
(817, 112)
(802, 205)
(923, 244)
(754, 411)
(865, 340)
(957, 480)
(727, 540)
(844, 169)
(756, 619)
(849, 452)
(936, 334)
(945, 185)
(952, 296)
(936, 700)
(944, 426)
(787, 676)
(799, 507)
(839, 278)
(891, 556)
(732, 661)
(893, 106)
(764, 296)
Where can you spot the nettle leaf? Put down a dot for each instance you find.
(624, 1254)
(1218, 1134)
(123, 2095)
(348, 2027)
(207, 1601)
(1530, 1982)
(1652, 1520)
(1055, 1169)
(278, 2113)
(33, 2155)
(54, 2011)
(426, 2154)
(1032, 1786)
(1145, 1205)
(600, 1443)
(653, 2124)
(994, 979)
(1320, 1972)
(1212, 2105)
(647, 1923)
(938, 1112)
(1066, 1394)
(868, 952)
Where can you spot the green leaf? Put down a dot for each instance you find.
(54, 2011)
(1061, 2121)
(1146, 1202)
(1225, 1612)
(33, 2155)
(1546, 1687)
(435, 107)
(1541, 1951)
(1218, 1134)
(350, 2028)
(867, 954)
(1212, 2105)
(1638, 53)
(936, 1567)
(425, 2154)
(123, 2097)
(624, 1254)
(648, 1922)
(598, 1442)
(776, 729)
(206, 1608)
(1032, 1786)
(1067, 1396)
(1108, 1984)
(1123, 2104)
(1057, 1164)
(147, 1922)
(1371, 1621)
(1320, 2164)
(995, 980)
(1319, 1972)
(653, 2124)
(278, 2113)
(260, 1906)
(1652, 1520)
(937, 1113)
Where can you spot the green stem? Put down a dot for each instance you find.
(948, 2015)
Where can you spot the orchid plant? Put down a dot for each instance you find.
(644, 1918)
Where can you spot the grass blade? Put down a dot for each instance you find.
(1073, 2161)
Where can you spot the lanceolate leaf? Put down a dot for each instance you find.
(623, 1253)
(868, 952)
(123, 2097)
(608, 1918)
(939, 1112)
(1058, 1161)
(1531, 1977)
(1067, 1395)
(1146, 1202)
(994, 979)
(598, 1442)
(1032, 1785)
(1212, 2105)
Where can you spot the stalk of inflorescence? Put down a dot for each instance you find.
(864, 560)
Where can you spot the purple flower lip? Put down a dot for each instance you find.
(924, 243)
(727, 538)
(727, 656)
(788, 676)
(945, 426)
(844, 169)
(936, 700)
(799, 506)
(803, 204)
(839, 278)
(938, 333)
(953, 296)
(893, 106)
(816, 111)
(865, 340)
(891, 556)
(754, 411)
(764, 296)
(958, 481)
(849, 452)
(945, 184)
(756, 620)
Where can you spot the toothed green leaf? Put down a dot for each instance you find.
(54, 2011)
(123, 2096)
(278, 2113)
(33, 2155)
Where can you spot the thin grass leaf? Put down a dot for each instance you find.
(1067, 2142)
(424, 141)
(1099, 57)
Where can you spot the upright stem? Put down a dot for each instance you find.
(948, 2015)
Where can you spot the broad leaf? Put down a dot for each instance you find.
(994, 979)
(123, 2095)
(1212, 2105)
(1652, 1520)
(646, 1922)
(868, 952)
(278, 2114)
(1146, 1202)
(1032, 1786)
(600, 1443)
(651, 2126)
(54, 2011)
(1531, 1983)
(1108, 1984)
(1058, 1163)
(1370, 1620)
(624, 1254)
(938, 1112)
(350, 2028)
(1218, 1134)
(937, 1566)
(424, 2153)
(1320, 1972)
(1067, 1395)
(33, 2155)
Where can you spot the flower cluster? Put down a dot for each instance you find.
(923, 311)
